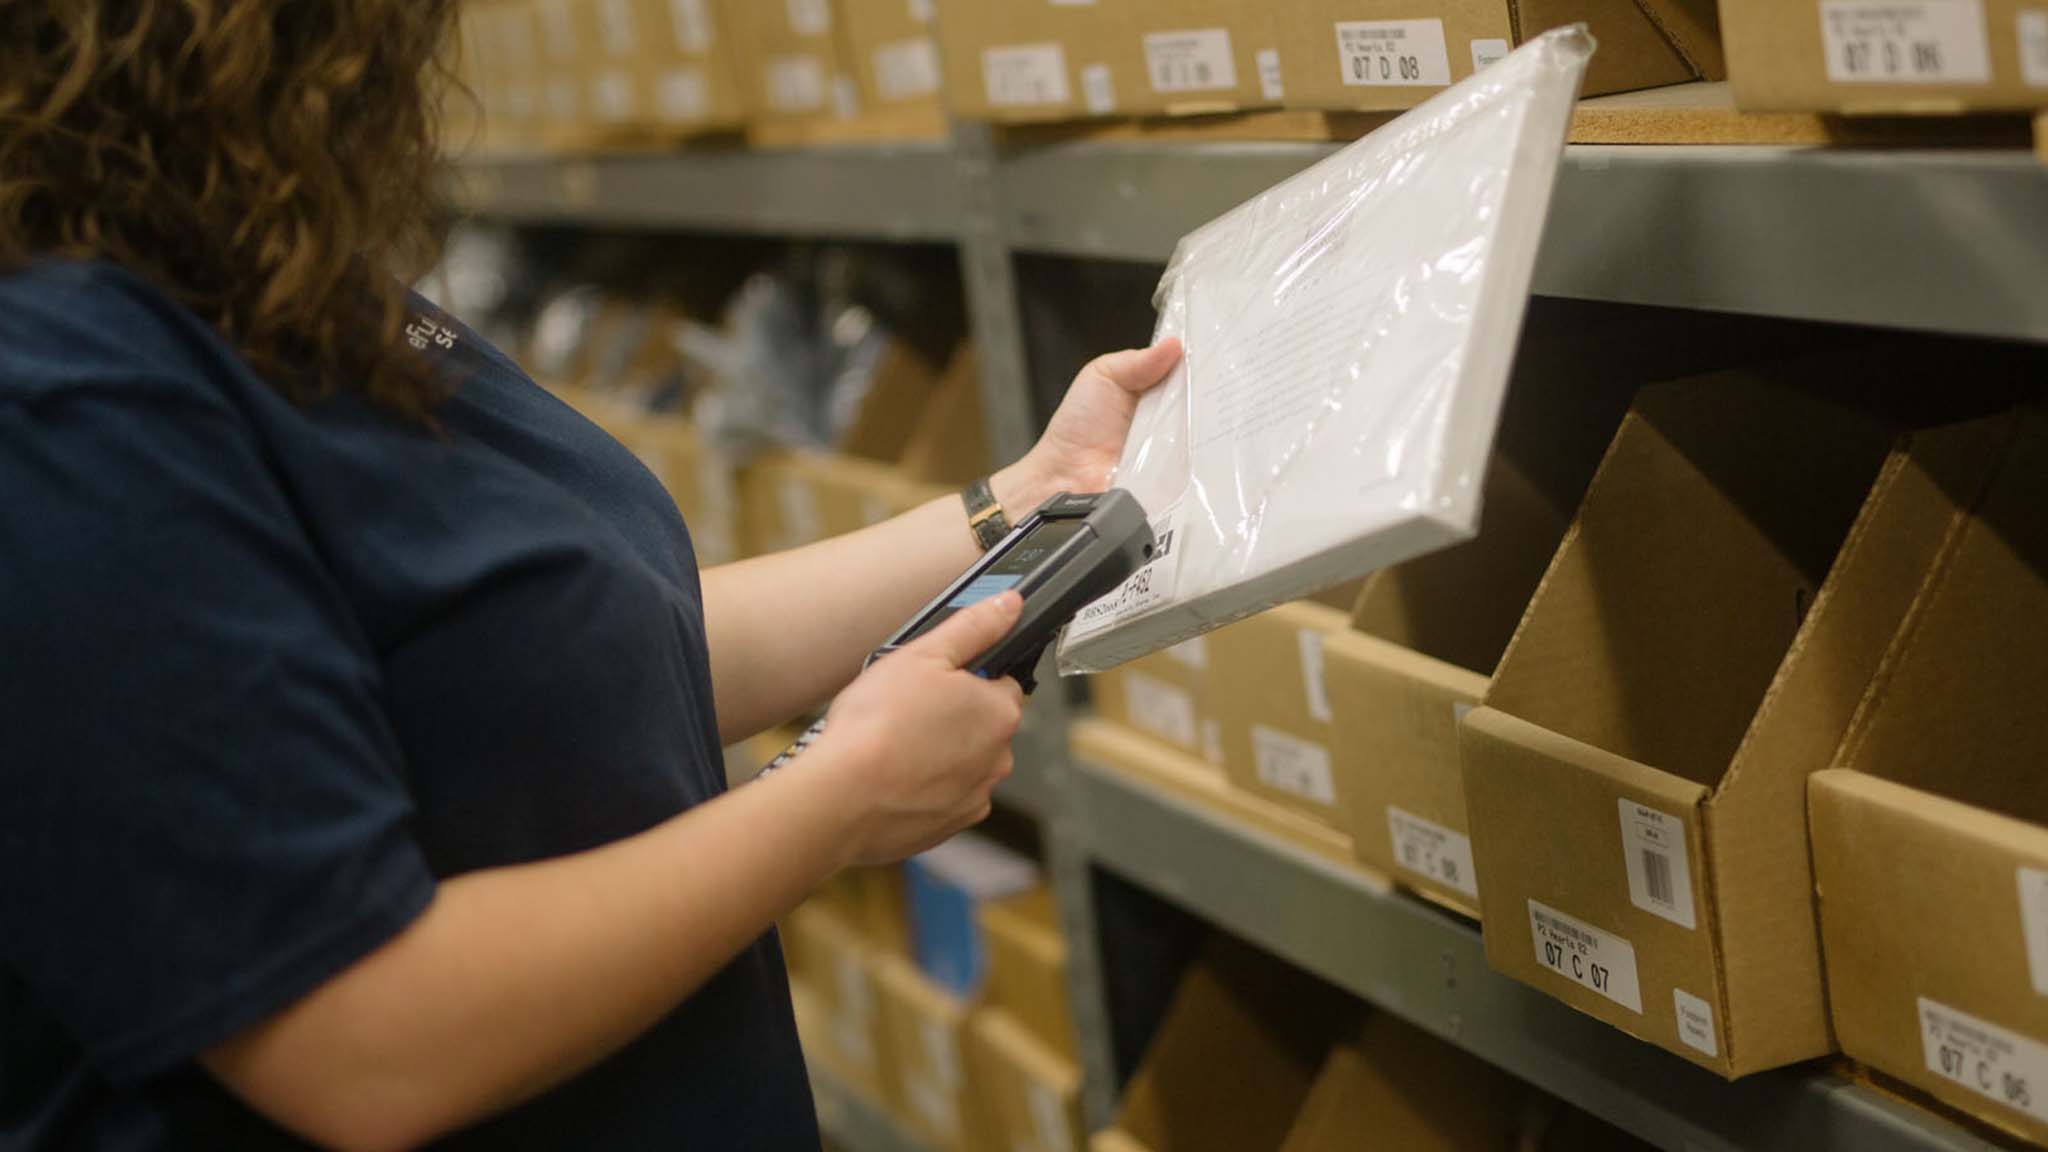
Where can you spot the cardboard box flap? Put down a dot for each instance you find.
(950, 445)
(1762, 876)
(1461, 605)
(1958, 709)
(1680, 585)
(1625, 776)
(1411, 1091)
(1638, 39)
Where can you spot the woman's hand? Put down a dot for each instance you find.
(1085, 439)
(923, 743)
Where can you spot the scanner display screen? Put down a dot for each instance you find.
(1006, 570)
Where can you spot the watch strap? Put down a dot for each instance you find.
(985, 516)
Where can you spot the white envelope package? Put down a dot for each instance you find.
(1349, 334)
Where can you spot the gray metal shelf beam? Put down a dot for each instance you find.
(1936, 241)
(900, 193)
(1429, 968)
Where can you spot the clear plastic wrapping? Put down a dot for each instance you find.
(1349, 334)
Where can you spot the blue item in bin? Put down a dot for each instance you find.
(946, 886)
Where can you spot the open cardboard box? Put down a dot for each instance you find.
(1930, 831)
(1386, 55)
(1636, 780)
(1027, 967)
(839, 966)
(1031, 1094)
(937, 1096)
(1231, 1062)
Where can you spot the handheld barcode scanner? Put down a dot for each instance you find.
(1069, 553)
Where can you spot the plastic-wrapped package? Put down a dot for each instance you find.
(1349, 334)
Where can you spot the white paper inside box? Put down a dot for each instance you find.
(1349, 334)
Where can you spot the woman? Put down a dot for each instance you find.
(362, 705)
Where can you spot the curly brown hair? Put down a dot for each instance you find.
(268, 163)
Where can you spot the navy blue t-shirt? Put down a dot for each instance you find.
(268, 673)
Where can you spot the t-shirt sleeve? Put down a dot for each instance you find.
(203, 810)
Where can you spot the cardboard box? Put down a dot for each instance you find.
(889, 49)
(950, 443)
(1273, 710)
(1930, 832)
(1167, 696)
(787, 53)
(840, 969)
(1422, 646)
(901, 388)
(1232, 1061)
(1033, 60)
(938, 1099)
(873, 900)
(948, 887)
(1031, 1094)
(1200, 56)
(1860, 56)
(1401, 1088)
(1385, 55)
(1027, 967)
(1635, 782)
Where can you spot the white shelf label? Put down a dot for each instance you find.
(1194, 60)
(1271, 84)
(615, 19)
(1431, 850)
(1659, 874)
(810, 17)
(1395, 53)
(2034, 924)
(1695, 1022)
(1192, 654)
(2033, 46)
(1160, 708)
(611, 96)
(680, 96)
(1905, 41)
(1485, 52)
(1310, 642)
(907, 69)
(1585, 955)
(1293, 765)
(2000, 1065)
(1098, 90)
(795, 83)
(693, 26)
(1022, 75)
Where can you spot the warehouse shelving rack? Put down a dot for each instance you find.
(1952, 242)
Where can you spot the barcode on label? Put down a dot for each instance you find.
(1098, 89)
(1395, 53)
(1905, 41)
(1272, 85)
(1659, 874)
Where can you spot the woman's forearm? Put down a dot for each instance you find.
(789, 630)
(515, 979)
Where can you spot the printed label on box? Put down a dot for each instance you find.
(693, 26)
(557, 29)
(1659, 874)
(1486, 52)
(1585, 955)
(810, 17)
(798, 506)
(1905, 41)
(1431, 850)
(1192, 653)
(611, 96)
(795, 83)
(906, 69)
(1048, 1119)
(681, 97)
(2034, 924)
(921, 11)
(1997, 1064)
(1212, 741)
(1695, 1022)
(1395, 53)
(1146, 588)
(1293, 765)
(1271, 86)
(845, 97)
(1160, 708)
(1193, 60)
(1022, 75)
(1310, 642)
(1098, 90)
(2033, 46)
(615, 19)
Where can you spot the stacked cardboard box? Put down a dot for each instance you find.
(1023, 1045)
(840, 969)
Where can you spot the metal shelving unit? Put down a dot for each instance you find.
(1950, 242)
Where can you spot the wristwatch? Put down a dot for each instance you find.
(985, 517)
